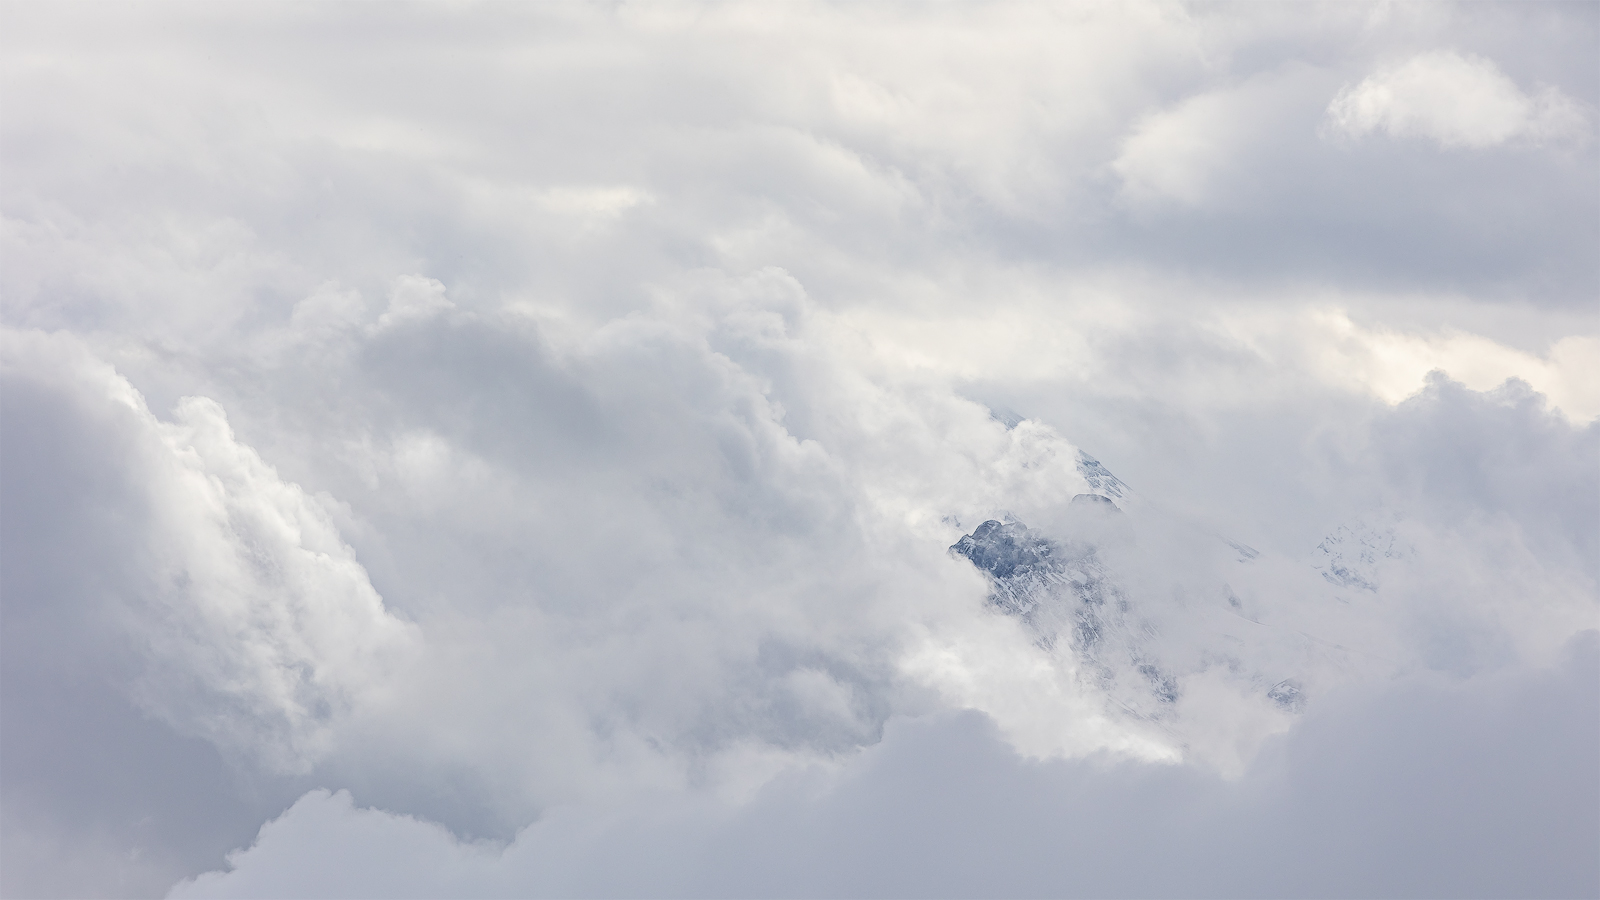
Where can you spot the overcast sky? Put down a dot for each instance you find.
(512, 449)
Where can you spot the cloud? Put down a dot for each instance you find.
(1463, 455)
(518, 416)
(810, 601)
(327, 311)
(1206, 148)
(259, 626)
(1456, 100)
(1366, 799)
(413, 297)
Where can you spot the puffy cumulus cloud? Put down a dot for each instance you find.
(618, 552)
(1361, 801)
(1502, 455)
(1206, 149)
(525, 415)
(412, 297)
(175, 616)
(1457, 100)
(260, 626)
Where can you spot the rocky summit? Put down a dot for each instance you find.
(1063, 592)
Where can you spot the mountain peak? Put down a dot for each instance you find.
(1100, 478)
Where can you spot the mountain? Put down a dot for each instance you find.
(1351, 556)
(1142, 608)
(1066, 595)
(1099, 478)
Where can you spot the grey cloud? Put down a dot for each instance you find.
(100, 797)
(740, 672)
(1424, 789)
(1500, 454)
(749, 166)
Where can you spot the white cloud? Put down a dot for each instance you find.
(414, 297)
(327, 312)
(260, 629)
(1200, 150)
(1456, 100)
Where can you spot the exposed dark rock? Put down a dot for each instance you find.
(1005, 550)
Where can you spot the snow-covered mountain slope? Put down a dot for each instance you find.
(1352, 555)
(1167, 622)
(1065, 593)
(1100, 478)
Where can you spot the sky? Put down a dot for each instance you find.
(484, 449)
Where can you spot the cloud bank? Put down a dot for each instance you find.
(516, 451)
(942, 808)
